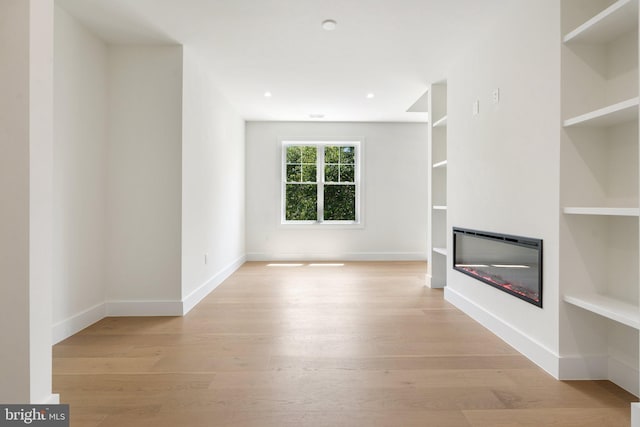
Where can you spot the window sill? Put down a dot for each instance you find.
(312, 225)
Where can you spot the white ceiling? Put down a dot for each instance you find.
(392, 48)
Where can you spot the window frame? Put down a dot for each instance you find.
(320, 181)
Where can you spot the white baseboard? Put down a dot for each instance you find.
(68, 327)
(635, 415)
(143, 308)
(533, 350)
(583, 367)
(74, 324)
(203, 290)
(432, 284)
(53, 399)
(624, 375)
(427, 280)
(346, 256)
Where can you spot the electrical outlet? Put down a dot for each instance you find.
(495, 96)
(476, 107)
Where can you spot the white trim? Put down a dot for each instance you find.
(143, 308)
(601, 211)
(606, 25)
(203, 290)
(74, 324)
(441, 251)
(592, 367)
(624, 375)
(434, 285)
(347, 256)
(606, 306)
(320, 180)
(620, 112)
(440, 164)
(52, 399)
(635, 415)
(442, 122)
(535, 351)
(327, 225)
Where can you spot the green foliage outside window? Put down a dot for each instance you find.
(340, 202)
(302, 202)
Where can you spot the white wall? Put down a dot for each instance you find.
(147, 152)
(213, 182)
(144, 173)
(80, 149)
(394, 196)
(14, 194)
(26, 127)
(503, 164)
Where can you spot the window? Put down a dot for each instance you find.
(321, 182)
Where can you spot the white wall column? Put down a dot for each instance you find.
(26, 122)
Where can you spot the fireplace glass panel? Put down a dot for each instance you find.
(510, 263)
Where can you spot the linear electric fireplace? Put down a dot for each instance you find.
(512, 264)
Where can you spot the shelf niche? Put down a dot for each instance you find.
(599, 191)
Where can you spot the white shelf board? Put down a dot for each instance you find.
(439, 208)
(611, 308)
(440, 164)
(602, 211)
(441, 251)
(621, 112)
(617, 19)
(440, 123)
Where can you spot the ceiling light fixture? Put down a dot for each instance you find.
(329, 25)
(371, 95)
(267, 94)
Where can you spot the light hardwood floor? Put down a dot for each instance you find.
(365, 344)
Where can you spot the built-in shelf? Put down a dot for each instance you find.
(617, 19)
(611, 308)
(440, 164)
(440, 123)
(437, 264)
(610, 115)
(441, 251)
(602, 211)
(598, 245)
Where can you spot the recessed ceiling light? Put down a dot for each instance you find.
(329, 25)
(267, 94)
(316, 116)
(371, 95)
